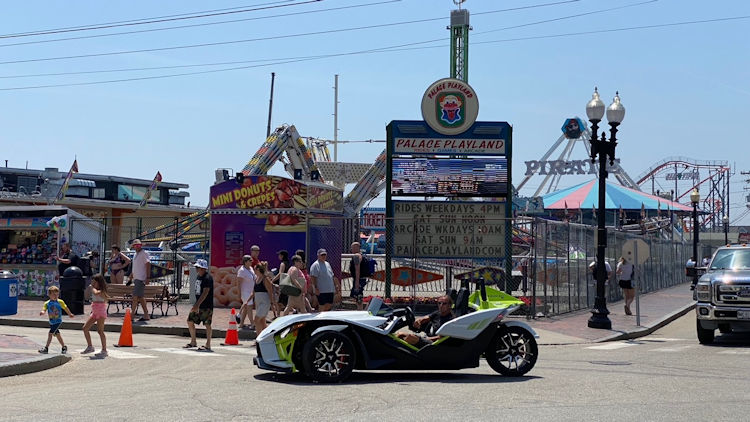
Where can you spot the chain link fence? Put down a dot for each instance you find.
(548, 270)
(557, 276)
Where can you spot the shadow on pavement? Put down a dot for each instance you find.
(740, 339)
(396, 377)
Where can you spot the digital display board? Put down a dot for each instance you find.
(458, 177)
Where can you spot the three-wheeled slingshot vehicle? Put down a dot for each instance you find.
(328, 346)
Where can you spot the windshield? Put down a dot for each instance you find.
(731, 259)
(378, 307)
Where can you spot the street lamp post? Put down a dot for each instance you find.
(725, 220)
(695, 198)
(602, 149)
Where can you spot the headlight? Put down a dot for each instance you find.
(285, 332)
(703, 291)
(292, 329)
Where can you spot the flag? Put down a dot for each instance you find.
(66, 182)
(566, 209)
(147, 195)
(658, 208)
(643, 211)
(58, 223)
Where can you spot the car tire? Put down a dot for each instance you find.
(329, 356)
(512, 352)
(705, 335)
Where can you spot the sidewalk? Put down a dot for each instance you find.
(20, 355)
(657, 310)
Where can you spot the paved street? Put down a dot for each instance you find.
(664, 376)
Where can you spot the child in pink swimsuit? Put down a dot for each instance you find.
(99, 299)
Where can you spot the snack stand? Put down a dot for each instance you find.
(274, 213)
(28, 244)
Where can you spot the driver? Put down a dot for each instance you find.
(429, 324)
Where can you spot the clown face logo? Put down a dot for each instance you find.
(450, 109)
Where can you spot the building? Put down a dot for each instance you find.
(113, 200)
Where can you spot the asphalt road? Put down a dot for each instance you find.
(666, 376)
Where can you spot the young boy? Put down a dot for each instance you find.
(54, 308)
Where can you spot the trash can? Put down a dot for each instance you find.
(8, 293)
(72, 286)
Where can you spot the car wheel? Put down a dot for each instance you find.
(512, 352)
(329, 356)
(705, 335)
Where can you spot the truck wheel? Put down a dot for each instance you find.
(705, 335)
(512, 351)
(329, 356)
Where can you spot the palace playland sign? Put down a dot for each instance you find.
(450, 106)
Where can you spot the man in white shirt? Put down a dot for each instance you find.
(140, 276)
(323, 281)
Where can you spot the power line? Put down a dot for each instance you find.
(567, 17)
(263, 6)
(199, 24)
(268, 38)
(375, 50)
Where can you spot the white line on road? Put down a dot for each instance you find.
(187, 352)
(673, 349)
(121, 354)
(611, 346)
(235, 349)
(735, 352)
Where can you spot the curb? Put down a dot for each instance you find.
(137, 328)
(650, 329)
(34, 364)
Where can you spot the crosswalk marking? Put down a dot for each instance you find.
(612, 346)
(672, 349)
(121, 354)
(660, 339)
(189, 352)
(735, 352)
(243, 350)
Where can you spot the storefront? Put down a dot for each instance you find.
(275, 213)
(28, 244)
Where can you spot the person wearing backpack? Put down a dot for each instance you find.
(359, 268)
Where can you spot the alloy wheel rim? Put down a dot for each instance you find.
(331, 357)
(513, 351)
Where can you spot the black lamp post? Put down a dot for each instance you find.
(695, 198)
(602, 149)
(725, 220)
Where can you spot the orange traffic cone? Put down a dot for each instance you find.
(126, 334)
(231, 338)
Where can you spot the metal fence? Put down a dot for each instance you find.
(549, 267)
(559, 279)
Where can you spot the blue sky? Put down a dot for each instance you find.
(685, 87)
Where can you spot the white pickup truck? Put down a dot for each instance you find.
(723, 293)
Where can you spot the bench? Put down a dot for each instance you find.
(156, 294)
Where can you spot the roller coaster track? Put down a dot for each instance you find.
(714, 203)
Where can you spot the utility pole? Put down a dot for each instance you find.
(335, 118)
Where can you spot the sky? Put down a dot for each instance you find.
(681, 68)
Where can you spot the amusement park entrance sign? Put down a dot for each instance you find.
(448, 229)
